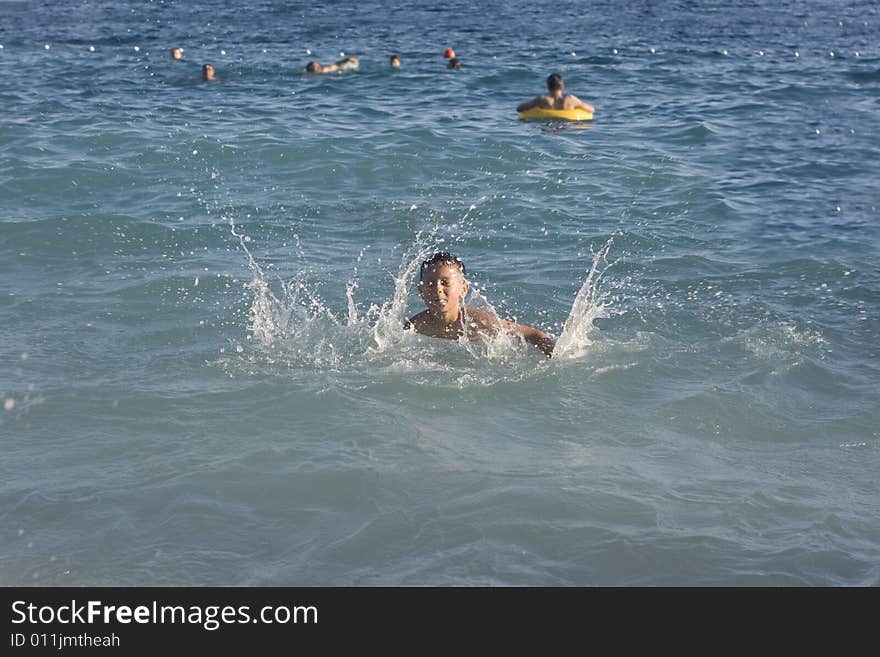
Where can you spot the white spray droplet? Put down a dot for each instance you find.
(195, 152)
(137, 48)
(724, 52)
(653, 50)
(9, 404)
(222, 52)
(91, 48)
(614, 51)
(817, 131)
(308, 52)
(46, 46)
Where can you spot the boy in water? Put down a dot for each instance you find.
(347, 64)
(442, 286)
(557, 99)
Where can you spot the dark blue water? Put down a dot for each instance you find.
(202, 287)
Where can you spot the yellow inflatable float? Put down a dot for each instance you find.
(568, 115)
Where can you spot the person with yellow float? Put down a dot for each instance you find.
(556, 105)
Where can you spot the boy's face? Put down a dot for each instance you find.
(442, 288)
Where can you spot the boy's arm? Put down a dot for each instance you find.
(582, 105)
(345, 64)
(529, 104)
(490, 322)
(533, 336)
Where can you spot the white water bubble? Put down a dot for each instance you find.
(341, 54)
(614, 51)
(91, 48)
(137, 48)
(831, 54)
(574, 54)
(1, 46)
(724, 52)
(797, 54)
(8, 404)
(308, 51)
(653, 50)
(46, 46)
(760, 53)
(196, 282)
(222, 52)
(856, 53)
(239, 348)
(818, 132)
(195, 152)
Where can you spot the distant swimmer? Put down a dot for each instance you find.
(347, 64)
(442, 286)
(449, 53)
(454, 63)
(208, 73)
(395, 61)
(556, 99)
(177, 53)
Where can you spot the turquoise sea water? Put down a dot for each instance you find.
(204, 377)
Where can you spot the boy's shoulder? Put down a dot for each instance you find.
(483, 319)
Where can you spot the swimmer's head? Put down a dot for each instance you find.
(555, 83)
(313, 67)
(449, 54)
(395, 61)
(177, 53)
(441, 258)
(442, 285)
(455, 63)
(208, 72)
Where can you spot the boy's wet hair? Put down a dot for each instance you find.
(444, 258)
(554, 82)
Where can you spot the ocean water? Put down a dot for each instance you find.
(204, 377)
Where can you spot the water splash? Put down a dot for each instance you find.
(589, 304)
(294, 325)
(387, 330)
